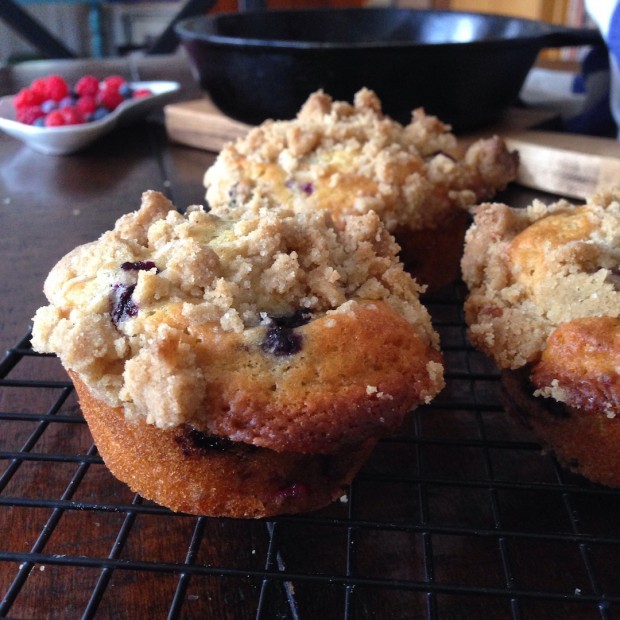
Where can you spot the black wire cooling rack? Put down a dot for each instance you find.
(459, 516)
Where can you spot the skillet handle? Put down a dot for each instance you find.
(564, 36)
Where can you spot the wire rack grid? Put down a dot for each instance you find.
(458, 516)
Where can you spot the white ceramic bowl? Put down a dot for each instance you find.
(70, 138)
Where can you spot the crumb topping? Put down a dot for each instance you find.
(540, 274)
(123, 310)
(351, 158)
(529, 270)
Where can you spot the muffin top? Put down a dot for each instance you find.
(351, 158)
(151, 313)
(544, 292)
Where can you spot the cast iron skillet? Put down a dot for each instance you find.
(463, 67)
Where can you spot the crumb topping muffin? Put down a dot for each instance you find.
(544, 304)
(351, 158)
(531, 270)
(275, 329)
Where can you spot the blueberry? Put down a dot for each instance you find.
(293, 491)
(49, 105)
(39, 122)
(139, 265)
(125, 91)
(100, 113)
(66, 102)
(122, 305)
(281, 341)
(194, 443)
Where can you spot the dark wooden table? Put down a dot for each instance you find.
(458, 517)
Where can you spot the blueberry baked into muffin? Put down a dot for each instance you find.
(544, 304)
(240, 367)
(351, 158)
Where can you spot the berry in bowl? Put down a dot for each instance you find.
(57, 118)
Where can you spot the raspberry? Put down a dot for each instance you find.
(29, 114)
(56, 88)
(39, 88)
(50, 101)
(110, 99)
(25, 98)
(113, 82)
(86, 104)
(55, 118)
(87, 85)
(72, 115)
(110, 96)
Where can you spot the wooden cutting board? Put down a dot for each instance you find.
(564, 164)
(200, 124)
(570, 165)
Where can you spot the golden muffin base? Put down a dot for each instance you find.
(585, 443)
(239, 481)
(350, 381)
(580, 365)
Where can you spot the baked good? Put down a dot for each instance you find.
(191, 471)
(544, 304)
(351, 158)
(290, 343)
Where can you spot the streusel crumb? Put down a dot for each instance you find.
(351, 158)
(187, 317)
(531, 270)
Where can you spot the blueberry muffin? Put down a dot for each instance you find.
(351, 158)
(544, 304)
(240, 367)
